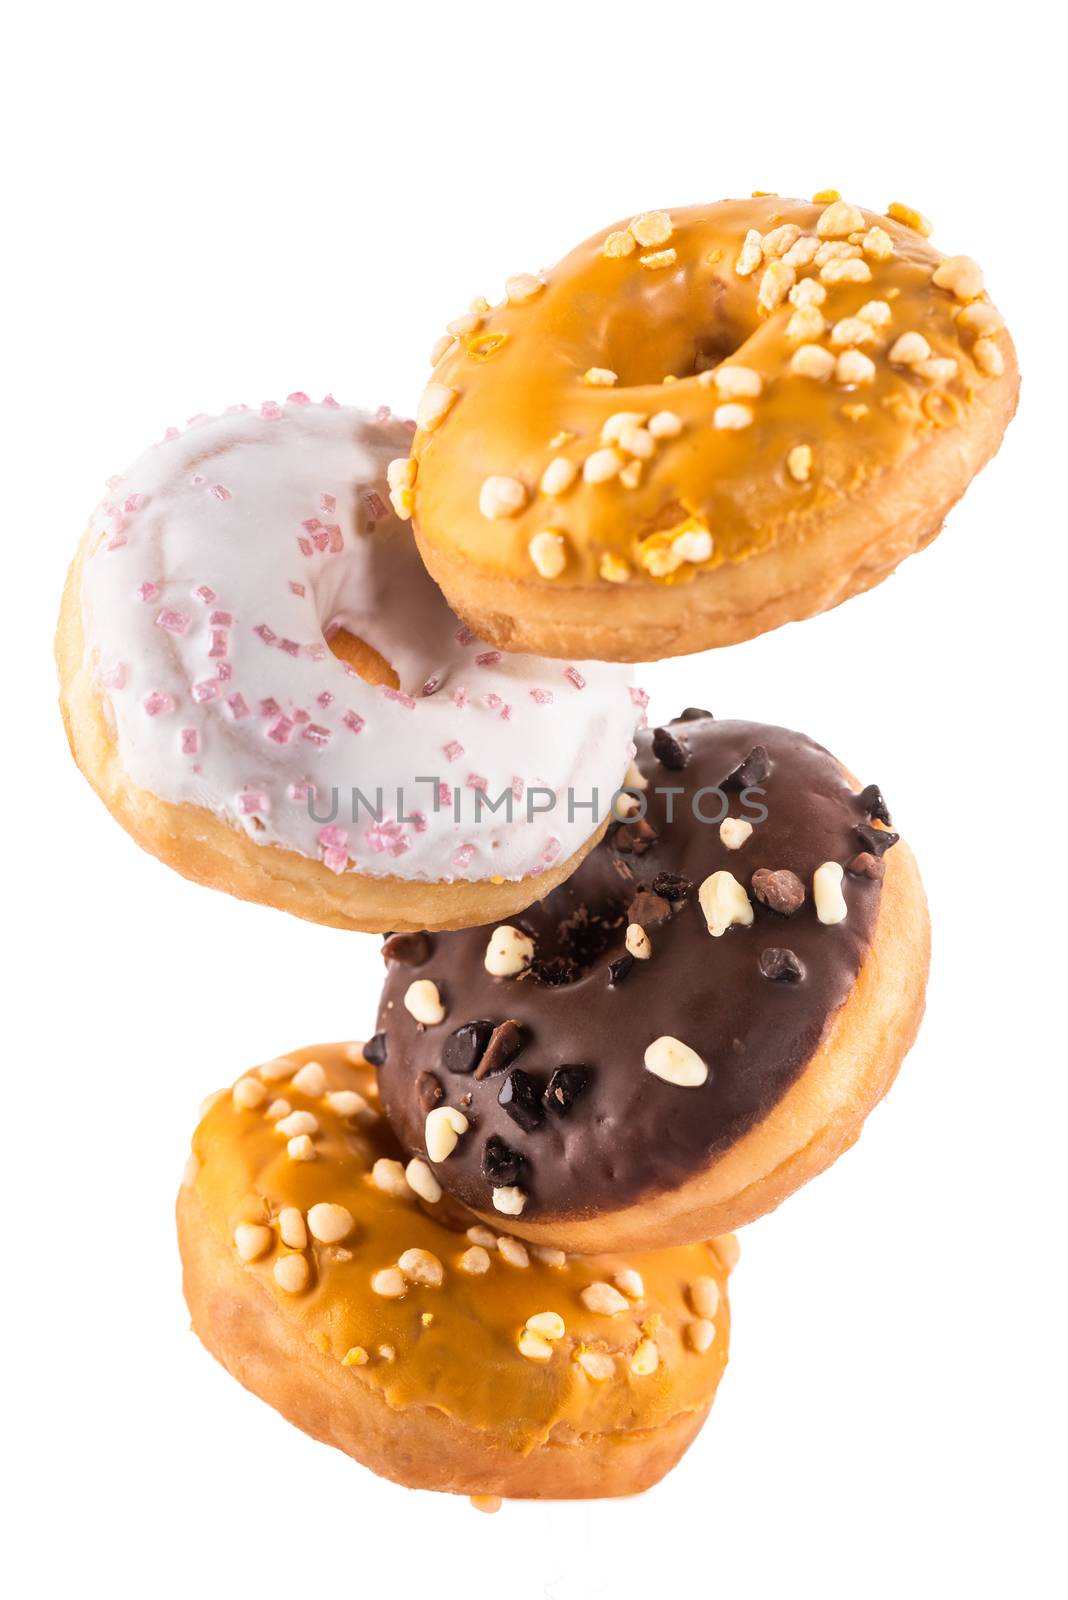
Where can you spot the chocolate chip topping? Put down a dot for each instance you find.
(781, 966)
(505, 1043)
(780, 891)
(374, 1050)
(411, 949)
(565, 1086)
(693, 714)
(464, 1049)
(429, 1090)
(865, 865)
(872, 800)
(635, 837)
(751, 772)
(877, 841)
(520, 1095)
(648, 909)
(630, 1134)
(669, 751)
(672, 885)
(501, 1165)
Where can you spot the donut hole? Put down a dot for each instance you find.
(654, 340)
(577, 943)
(362, 657)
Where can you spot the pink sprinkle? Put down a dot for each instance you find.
(224, 672)
(506, 713)
(280, 730)
(236, 411)
(517, 788)
(396, 694)
(335, 860)
(317, 735)
(475, 780)
(114, 481)
(221, 619)
(336, 542)
(464, 856)
(271, 410)
(262, 631)
(190, 741)
(239, 706)
(203, 593)
(542, 697)
(306, 547)
(220, 492)
(464, 635)
(206, 689)
(328, 502)
(444, 795)
(419, 821)
(453, 750)
(387, 835)
(269, 707)
(298, 398)
(432, 685)
(328, 400)
(196, 419)
(488, 658)
(173, 621)
(638, 696)
(353, 721)
(573, 675)
(375, 504)
(290, 646)
(220, 643)
(492, 702)
(333, 836)
(325, 699)
(117, 540)
(461, 698)
(300, 715)
(551, 851)
(297, 588)
(311, 524)
(135, 502)
(315, 652)
(253, 803)
(383, 414)
(114, 677)
(170, 433)
(301, 791)
(158, 705)
(321, 538)
(147, 591)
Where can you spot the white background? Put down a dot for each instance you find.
(215, 202)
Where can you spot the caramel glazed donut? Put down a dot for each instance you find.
(687, 1030)
(265, 688)
(347, 1292)
(704, 424)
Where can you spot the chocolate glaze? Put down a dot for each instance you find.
(629, 1134)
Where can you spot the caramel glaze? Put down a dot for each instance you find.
(453, 1347)
(629, 1134)
(521, 400)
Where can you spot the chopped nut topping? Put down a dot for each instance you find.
(390, 1283)
(311, 1079)
(988, 358)
(727, 1249)
(523, 286)
(613, 569)
(823, 197)
(277, 1110)
(751, 254)
(435, 403)
(845, 271)
(877, 244)
(876, 312)
(423, 1001)
(704, 1296)
(461, 326)
(802, 252)
(534, 1347)
(911, 218)
(620, 243)
(732, 417)
(776, 281)
(807, 293)
(645, 1359)
(652, 227)
(596, 1364)
(509, 952)
(474, 1261)
(665, 425)
(939, 369)
(300, 1148)
(347, 1103)
(960, 275)
(799, 463)
(779, 240)
(735, 383)
(356, 1357)
(401, 474)
(600, 377)
(548, 552)
(675, 1062)
(509, 1200)
(700, 1335)
(421, 1266)
(827, 893)
(812, 361)
(483, 1236)
(296, 1123)
(852, 330)
(638, 442)
(423, 1181)
(390, 1177)
(291, 1228)
(502, 497)
(638, 943)
(725, 903)
(601, 465)
(291, 1273)
(558, 476)
(442, 347)
(547, 1324)
(734, 831)
(442, 1131)
(980, 317)
(781, 890)
(630, 1282)
(839, 221)
(853, 366)
(551, 1256)
(618, 422)
(656, 259)
(806, 324)
(512, 1251)
(248, 1093)
(329, 1224)
(252, 1240)
(631, 475)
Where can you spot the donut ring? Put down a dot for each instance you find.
(208, 710)
(325, 1284)
(625, 1078)
(699, 426)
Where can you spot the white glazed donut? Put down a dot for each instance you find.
(207, 708)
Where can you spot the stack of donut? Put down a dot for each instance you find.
(643, 980)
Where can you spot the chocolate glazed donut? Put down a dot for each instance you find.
(694, 1024)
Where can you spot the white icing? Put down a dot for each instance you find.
(227, 520)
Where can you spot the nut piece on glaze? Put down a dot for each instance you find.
(675, 1062)
(508, 953)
